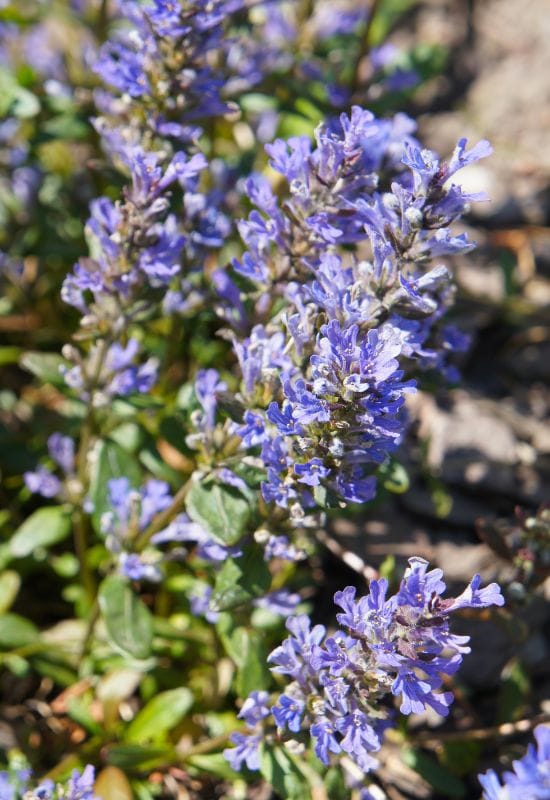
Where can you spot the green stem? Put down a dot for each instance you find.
(208, 746)
(80, 519)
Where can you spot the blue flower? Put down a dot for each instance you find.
(311, 472)
(530, 778)
(247, 750)
(359, 739)
(207, 385)
(288, 713)
(325, 741)
(255, 708)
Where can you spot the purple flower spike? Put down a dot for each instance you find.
(399, 645)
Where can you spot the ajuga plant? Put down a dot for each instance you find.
(249, 323)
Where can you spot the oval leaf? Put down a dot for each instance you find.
(16, 631)
(128, 621)
(160, 715)
(45, 527)
(9, 587)
(46, 366)
(222, 511)
(112, 462)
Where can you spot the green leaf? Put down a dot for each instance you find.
(58, 672)
(128, 620)
(240, 580)
(9, 587)
(131, 756)
(160, 715)
(16, 631)
(224, 512)
(432, 772)
(246, 648)
(280, 772)
(253, 672)
(45, 366)
(227, 591)
(215, 763)
(112, 461)
(47, 526)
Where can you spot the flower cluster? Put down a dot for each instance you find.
(160, 64)
(401, 645)
(530, 778)
(16, 785)
(130, 513)
(145, 246)
(345, 301)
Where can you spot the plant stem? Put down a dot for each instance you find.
(208, 746)
(364, 47)
(80, 520)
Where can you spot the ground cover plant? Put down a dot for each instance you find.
(227, 270)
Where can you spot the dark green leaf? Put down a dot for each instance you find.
(224, 512)
(128, 621)
(45, 527)
(240, 580)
